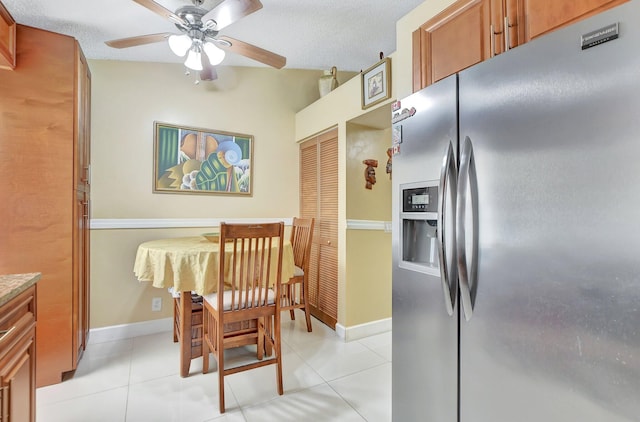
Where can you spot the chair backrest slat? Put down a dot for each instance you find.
(301, 238)
(250, 263)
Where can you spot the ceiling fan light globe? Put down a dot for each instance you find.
(215, 54)
(180, 44)
(194, 60)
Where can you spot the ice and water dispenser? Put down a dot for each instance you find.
(419, 227)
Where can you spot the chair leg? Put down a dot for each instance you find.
(205, 339)
(219, 350)
(291, 299)
(267, 331)
(260, 347)
(275, 332)
(305, 297)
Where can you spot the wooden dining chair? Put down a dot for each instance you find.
(295, 292)
(244, 310)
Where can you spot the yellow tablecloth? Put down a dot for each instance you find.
(189, 263)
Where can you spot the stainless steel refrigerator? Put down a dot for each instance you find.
(516, 234)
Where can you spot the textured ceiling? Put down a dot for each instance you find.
(311, 34)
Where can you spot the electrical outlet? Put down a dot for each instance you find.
(156, 304)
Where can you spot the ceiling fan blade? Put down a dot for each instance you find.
(139, 40)
(160, 10)
(252, 52)
(208, 72)
(230, 11)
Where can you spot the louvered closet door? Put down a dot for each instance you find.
(319, 199)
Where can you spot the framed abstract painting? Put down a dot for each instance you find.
(201, 161)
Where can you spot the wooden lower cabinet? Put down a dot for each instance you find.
(319, 200)
(17, 358)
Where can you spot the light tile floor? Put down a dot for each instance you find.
(137, 380)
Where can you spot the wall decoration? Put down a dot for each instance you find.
(370, 172)
(376, 83)
(328, 82)
(201, 161)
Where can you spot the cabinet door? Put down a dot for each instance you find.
(543, 16)
(458, 37)
(7, 39)
(82, 186)
(17, 358)
(83, 122)
(17, 382)
(319, 199)
(327, 299)
(81, 274)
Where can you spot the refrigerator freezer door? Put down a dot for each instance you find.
(424, 335)
(555, 332)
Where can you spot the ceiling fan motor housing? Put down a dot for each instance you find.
(192, 15)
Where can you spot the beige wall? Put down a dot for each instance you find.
(368, 287)
(127, 98)
(368, 252)
(340, 108)
(367, 143)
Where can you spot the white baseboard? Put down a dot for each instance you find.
(363, 330)
(124, 331)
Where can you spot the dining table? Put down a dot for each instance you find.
(186, 265)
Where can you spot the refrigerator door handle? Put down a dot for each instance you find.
(467, 194)
(448, 269)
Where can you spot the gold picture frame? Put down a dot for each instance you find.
(201, 161)
(376, 83)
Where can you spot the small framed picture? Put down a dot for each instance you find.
(376, 83)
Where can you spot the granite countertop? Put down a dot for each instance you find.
(11, 285)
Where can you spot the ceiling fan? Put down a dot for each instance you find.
(199, 39)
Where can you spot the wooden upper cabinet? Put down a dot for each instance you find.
(456, 38)
(471, 31)
(543, 16)
(7, 39)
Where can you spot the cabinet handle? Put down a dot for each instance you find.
(506, 34)
(86, 209)
(328, 242)
(6, 332)
(493, 41)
